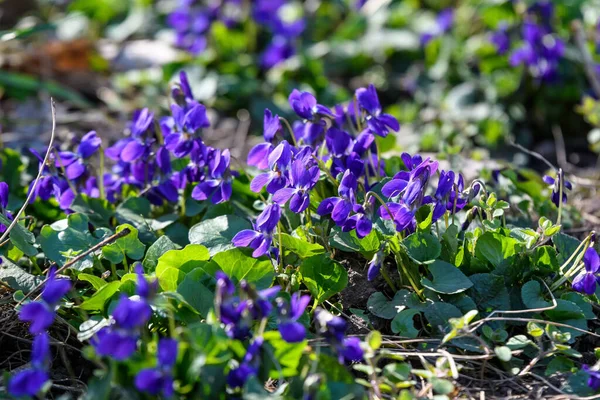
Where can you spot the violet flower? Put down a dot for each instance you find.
(218, 188)
(187, 123)
(340, 207)
(30, 381)
(301, 180)
(305, 106)
(593, 381)
(237, 377)
(377, 121)
(443, 23)
(555, 184)
(41, 313)
(261, 237)
(334, 328)
(159, 380)
(138, 144)
(290, 329)
(375, 265)
(586, 281)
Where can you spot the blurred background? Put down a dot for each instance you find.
(465, 78)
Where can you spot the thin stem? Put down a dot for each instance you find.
(561, 179)
(101, 175)
(289, 127)
(388, 279)
(281, 262)
(37, 179)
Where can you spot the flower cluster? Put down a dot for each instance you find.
(339, 144)
(540, 49)
(41, 315)
(141, 162)
(192, 22)
(119, 339)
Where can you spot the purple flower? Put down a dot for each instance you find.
(302, 180)
(378, 122)
(261, 237)
(333, 328)
(586, 281)
(237, 377)
(361, 220)
(187, 122)
(290, 329)
(305, 106)
(159, 380)
(144, 289)
(218, 188)
(375, 265)
(138, 144)
(594, 377)
(279, 50)
(279, 163)
(131, 314)
(259, 154)
(500, 39)
(340, 207)
(555, 184)
(117, 344)
(443, 23)
(30, 381)
(41, 313)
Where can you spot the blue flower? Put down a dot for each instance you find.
(159, 380)
(279, 163)
(290, 329)
(302, 180)
(261, 237)
(138, 144)
(594, 377)
(218, 188)
(586, 281)
(341, 206)
(555, 184)
(378, 122)
(29, 382)
(305, 106)
(41, 313)
(238, 376)
(333, 328)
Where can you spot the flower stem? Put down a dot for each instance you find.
(560, 195)
(289, 127)
(388, 279)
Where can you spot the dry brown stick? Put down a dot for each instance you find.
(588, 62)
(79, 257)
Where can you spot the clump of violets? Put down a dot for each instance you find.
(540, 49)
(119, 339)
(159, 380)
(192, 22)
(586, 281)
(333, 329)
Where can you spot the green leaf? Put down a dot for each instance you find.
(343, 240)
(439, 313)
(288, 355)
(323, 276)
(16, 278)
(379, 305)
(70, 236)
(404, 325)
(126, 246)
(96, 282)
(559, 364)
(175, 264)
(300, 247)
(195, 291)
(566, 246)
(424, 218)
(447, 278)
(156, 250)
(532, 296)
(97, 301)
(442, 386)
(489, 292)
(216, 234)
(369, 245)
(503, 353)
(564, 310)
(239, 264)
(581, 302)
(423, 247)
(495, 248)
(20, 237)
